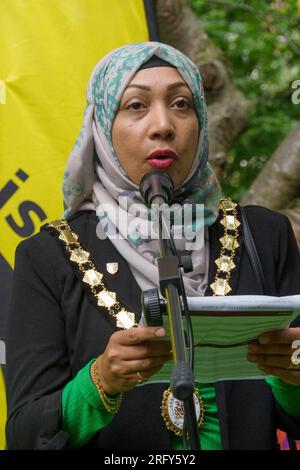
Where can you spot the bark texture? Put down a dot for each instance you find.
(278, 184)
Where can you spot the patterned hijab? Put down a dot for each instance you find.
(95, 180)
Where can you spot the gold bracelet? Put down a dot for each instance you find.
(109, 404)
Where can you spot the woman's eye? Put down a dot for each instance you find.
(182, 104)
(136, 106)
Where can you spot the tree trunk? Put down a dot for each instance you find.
(227, 107)
(278, 184)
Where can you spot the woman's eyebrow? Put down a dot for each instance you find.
(169, 87)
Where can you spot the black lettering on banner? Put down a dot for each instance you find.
(6, 193)
(27, 228)
(10, 188)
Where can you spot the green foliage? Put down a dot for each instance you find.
(261, 45)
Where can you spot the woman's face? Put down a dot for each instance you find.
(156, 113)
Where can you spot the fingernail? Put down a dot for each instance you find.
(160, 332)
(264, 339)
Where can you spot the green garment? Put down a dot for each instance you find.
(83, 413)
(288, 396)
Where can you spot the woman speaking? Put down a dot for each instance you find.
(79, 356)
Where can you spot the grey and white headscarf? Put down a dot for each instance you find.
(94, 178)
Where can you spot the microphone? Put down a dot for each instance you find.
(156, 186)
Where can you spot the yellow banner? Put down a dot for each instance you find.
(47, 52)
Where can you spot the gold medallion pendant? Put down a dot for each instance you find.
(172, 411)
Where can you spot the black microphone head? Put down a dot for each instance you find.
(156, 183)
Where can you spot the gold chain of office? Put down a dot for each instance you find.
(91, 277)
(105, 298)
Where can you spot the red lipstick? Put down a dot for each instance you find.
(161, 159)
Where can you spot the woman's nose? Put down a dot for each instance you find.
(161, 124)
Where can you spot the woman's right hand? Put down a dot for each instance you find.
(130, 354)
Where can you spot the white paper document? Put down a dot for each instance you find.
(224, 326)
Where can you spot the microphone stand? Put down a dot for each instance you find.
(171, 285)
